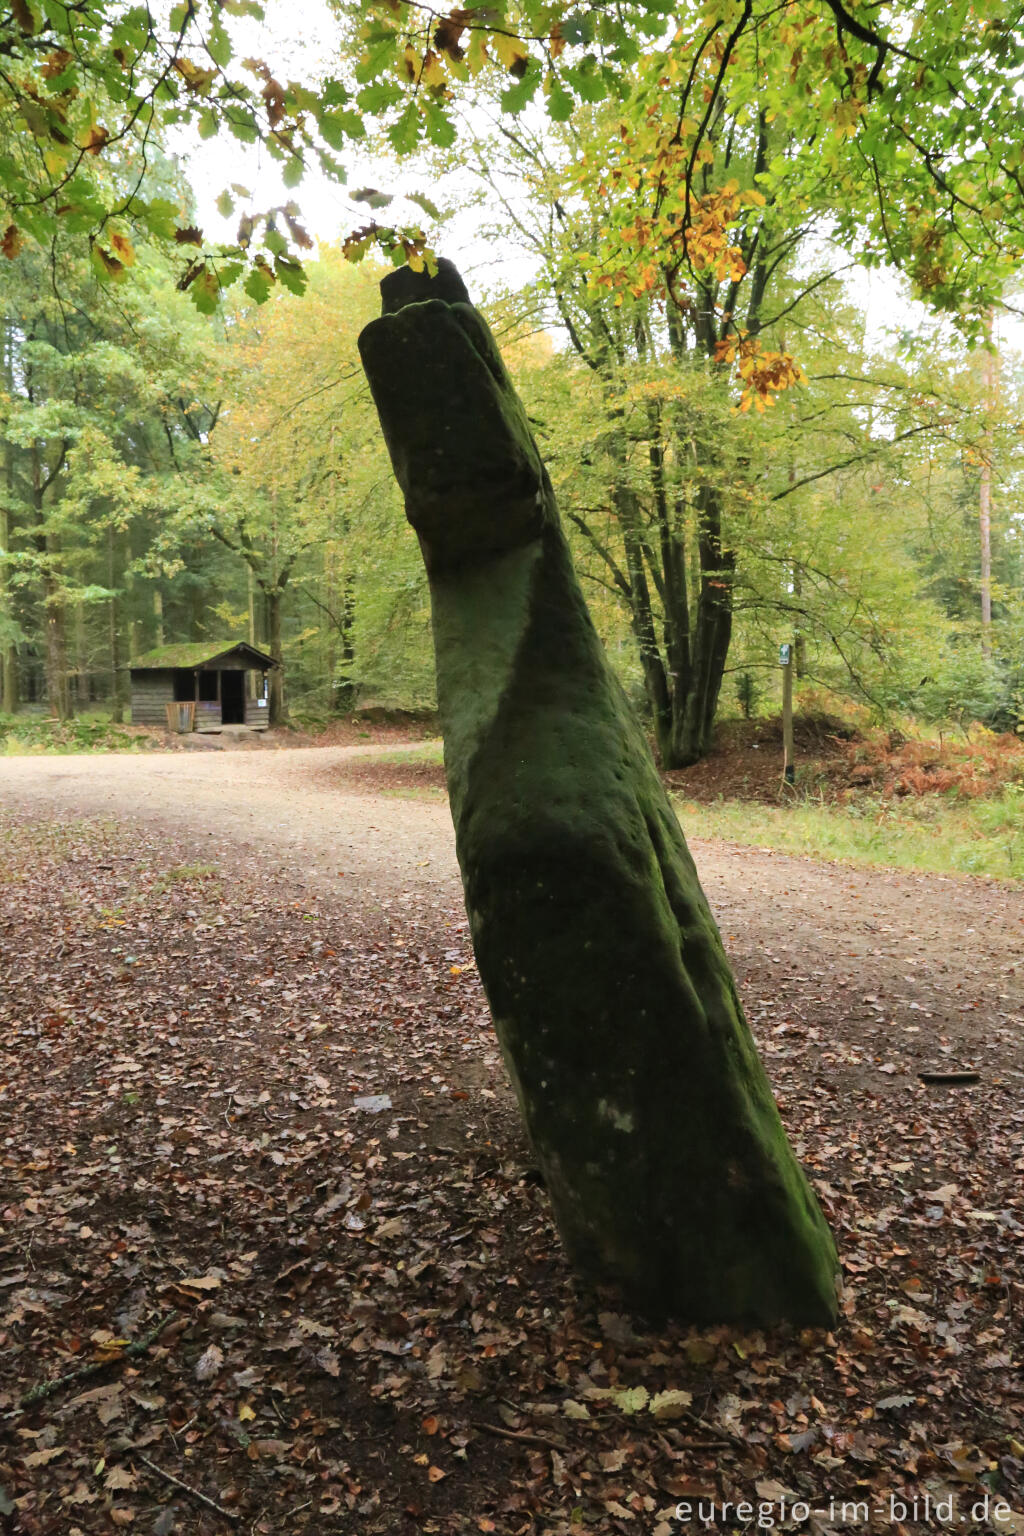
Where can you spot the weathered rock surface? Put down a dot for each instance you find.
(646, 1103)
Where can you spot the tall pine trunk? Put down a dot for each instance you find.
(8, 649)
(120, 689)
(58, 690)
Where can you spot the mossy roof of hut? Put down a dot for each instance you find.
(199, 653)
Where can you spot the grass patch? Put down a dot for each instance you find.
(431, 753)
(934, 834)
(182, 872)
(416, 792)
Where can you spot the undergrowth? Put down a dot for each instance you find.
(938, 834)
(21, 734)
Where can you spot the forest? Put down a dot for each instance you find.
(595, 1119)
(751, 445)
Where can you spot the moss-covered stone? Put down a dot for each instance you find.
(646, 1103)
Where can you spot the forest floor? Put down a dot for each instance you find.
(273, 1256)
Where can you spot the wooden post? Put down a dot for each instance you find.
(786, 661)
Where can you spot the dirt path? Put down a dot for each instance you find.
(930, 967)
(259, 1122)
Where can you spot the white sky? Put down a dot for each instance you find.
(300, 40)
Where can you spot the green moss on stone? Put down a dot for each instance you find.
(646, 1103)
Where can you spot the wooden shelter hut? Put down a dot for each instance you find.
(202, 687)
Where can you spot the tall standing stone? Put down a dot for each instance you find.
(642, 1092)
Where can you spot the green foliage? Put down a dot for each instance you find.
(679, 174)
(21, 734)
(860, 119)
(746, 693)
(101, 425)
(86, 95)
(301, 494)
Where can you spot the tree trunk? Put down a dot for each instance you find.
(656, 683)
(277, 708)
(251, 588)
(8, 648)
(648, 1109)
(79, 681)
(120, 688)
(683, 672)
(58, 692)
(985, 495)
(344, 683)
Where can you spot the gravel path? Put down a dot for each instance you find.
(931, 964)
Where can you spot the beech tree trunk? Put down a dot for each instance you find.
(8, 649)
(647, 1106)
(277, 709)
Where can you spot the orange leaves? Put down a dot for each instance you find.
(448, 33)
(764, 373)
(707, 244)
(11, 241)
(273, 92)
(95, 139)
(55, 63)
(274, 97)
(123, 249)
(114, 258)
(644, 173)
(511, 52)
(389, 241)
(297, 230)
(196, 77)
(929, 245)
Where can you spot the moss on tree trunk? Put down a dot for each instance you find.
(645, 1101)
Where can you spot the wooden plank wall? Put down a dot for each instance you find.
(151, 693)
(208, 715)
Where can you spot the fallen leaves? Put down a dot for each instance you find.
(43, 1458)
(374, 1312)
(209, 1363)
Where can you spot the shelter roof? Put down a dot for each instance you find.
(200, 653)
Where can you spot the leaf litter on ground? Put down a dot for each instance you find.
(259, 1303)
